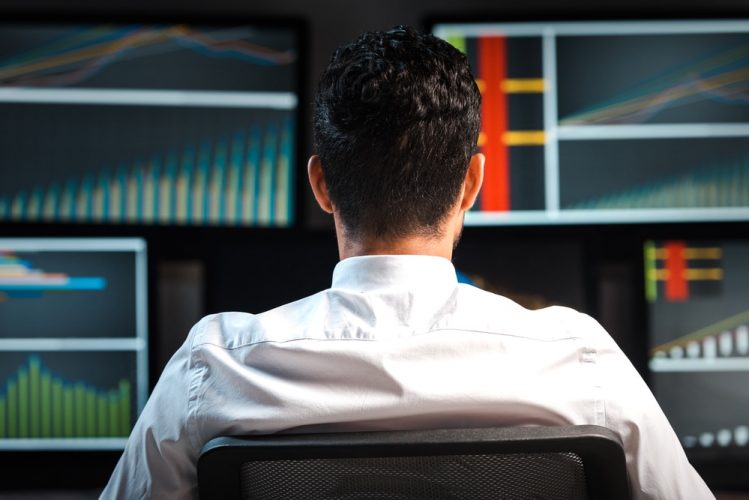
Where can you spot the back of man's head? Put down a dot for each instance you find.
(396, 122)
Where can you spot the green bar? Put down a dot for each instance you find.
(2, 417)
(12, 409)
(103, 416)
(651, 284)
(23, 403)
(35, 391)
(46, 404)
(125, 407)
(90, 412)
(58, 415)
(457, 41)
(80, 410)
(114, 414)
(67, 401)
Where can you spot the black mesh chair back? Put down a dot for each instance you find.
(569, 462)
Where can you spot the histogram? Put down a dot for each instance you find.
(38, 404)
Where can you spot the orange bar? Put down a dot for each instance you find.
(492, 68)
(676, 284)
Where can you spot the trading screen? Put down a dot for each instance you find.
(73, 342)
(699, 335)
(148, 124)
(606, 122)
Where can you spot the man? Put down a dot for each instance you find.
(396, 342)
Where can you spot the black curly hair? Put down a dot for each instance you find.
(396, 121)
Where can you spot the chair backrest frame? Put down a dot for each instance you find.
(599, 448)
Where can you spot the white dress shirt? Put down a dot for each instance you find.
(396, 343)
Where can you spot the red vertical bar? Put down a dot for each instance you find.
(677, 288)
(492, 66)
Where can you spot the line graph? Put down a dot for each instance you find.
(78, 56)
(700, 82)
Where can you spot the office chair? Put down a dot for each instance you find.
(569, 462)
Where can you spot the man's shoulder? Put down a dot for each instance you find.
(499, 314)
(232, 329)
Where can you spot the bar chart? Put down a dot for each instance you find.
(243, 181)
(73, 342)
(578, 127)
(36, 403)
(148, 124)
(698, 318)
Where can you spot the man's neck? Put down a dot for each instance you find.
(439, 245)
(403, 246)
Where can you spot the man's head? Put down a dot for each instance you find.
(395, 127)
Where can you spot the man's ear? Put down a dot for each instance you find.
(317, 182)
(473, 181)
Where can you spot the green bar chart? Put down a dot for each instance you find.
(37, 403)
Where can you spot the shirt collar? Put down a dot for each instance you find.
(371, 272)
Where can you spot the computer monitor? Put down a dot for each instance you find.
(73, 342)
(697, 293)
(149, 123)
(610, 122)
(535, 272)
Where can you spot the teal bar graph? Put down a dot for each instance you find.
(246, 179)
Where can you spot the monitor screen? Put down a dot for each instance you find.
(535, 273)
(697, 293)
(610, 122)
(170, 124)
(73, 342)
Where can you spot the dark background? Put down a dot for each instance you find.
(195, 271)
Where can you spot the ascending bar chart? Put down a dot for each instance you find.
(699, 339)
(35, 403)
(243, 181)
(722, 346)
(148, 124)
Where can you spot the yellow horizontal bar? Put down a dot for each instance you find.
(704, 274)
(524, 85)
(517, 85)
(711, 274)
(519, 138)
(705, 253)
(524, 137)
